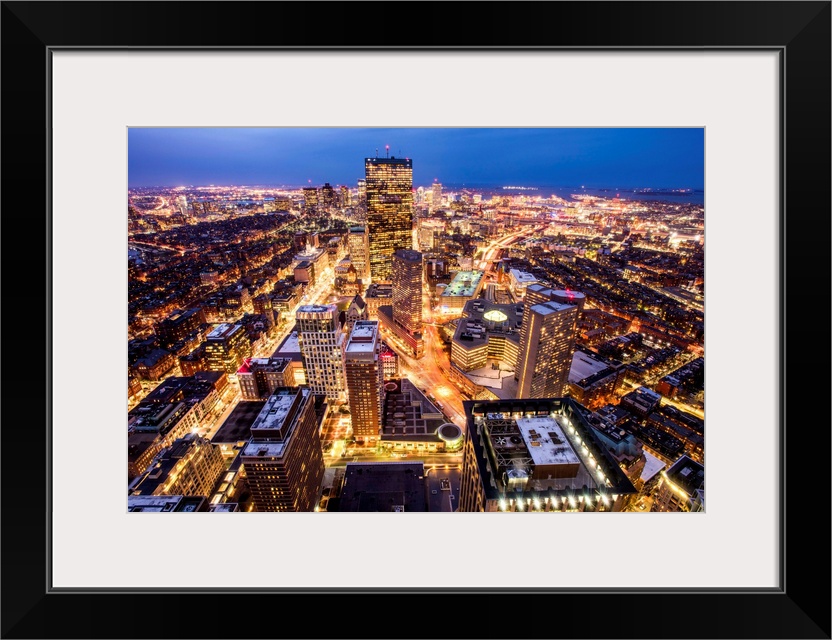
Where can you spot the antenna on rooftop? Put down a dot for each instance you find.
(387, 151)
(376, 152)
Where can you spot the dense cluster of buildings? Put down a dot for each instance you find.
(270, 334)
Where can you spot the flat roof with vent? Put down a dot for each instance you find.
(276, 418)
(546, 441)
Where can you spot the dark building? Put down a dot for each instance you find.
(681, 488)
(407, 290)
(283, 460)
(384, 486)
(178, 326)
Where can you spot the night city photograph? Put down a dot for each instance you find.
(416, 320)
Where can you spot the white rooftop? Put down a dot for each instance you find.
(363, 337)
(545, 308)
(522, 277)
(543, 449)
(583, 366)
(652, 465)
(269, 449)
(274, 412)
(217, 332)
(291, 345)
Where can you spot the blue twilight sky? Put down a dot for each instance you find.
(595, 158)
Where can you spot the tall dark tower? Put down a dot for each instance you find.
(407, 290)
(389, 185)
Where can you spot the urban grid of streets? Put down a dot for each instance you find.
(575, 225)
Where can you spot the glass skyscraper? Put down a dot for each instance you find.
(389, 184)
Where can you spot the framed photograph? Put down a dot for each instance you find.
(102, 99)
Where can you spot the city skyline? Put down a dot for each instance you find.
(625, 158)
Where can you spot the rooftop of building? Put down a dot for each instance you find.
(481, 318)
(545, 441)
(687, 474)
(522, 277)
(379, 290)
(166, 504)
(464, 284)
(223, 331)
(391, 160)
(364, 337)
(290, 347)
(407, 412)
(175, 388)
(275, 418)
(317, 309)
(237, 426)
(409, 255)
(310, 254)
(541, 447)
(384, 486)
(547, 308)
(264, 364)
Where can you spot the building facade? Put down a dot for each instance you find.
(547, 340)
(283, 461)
(389, 185)
(365, 375)
(226, 347)
(259, 377)
(407, 290)
(322, 344)
(358, 244)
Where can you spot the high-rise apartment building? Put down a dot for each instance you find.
(358, 244)
(346, 199)
(365, 377)
(283, 460)
(547, 340)
(389, 184)
(322, 347)
(407, 290)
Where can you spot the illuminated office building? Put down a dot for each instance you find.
(310, 199)
(436, 196)
(389, 184)
(226, 347)
(365, 376)
(547, 340)
(322, 347)
(283, 460)
(359, 247)
(407, 290)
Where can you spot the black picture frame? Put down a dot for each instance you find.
(800, 31)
